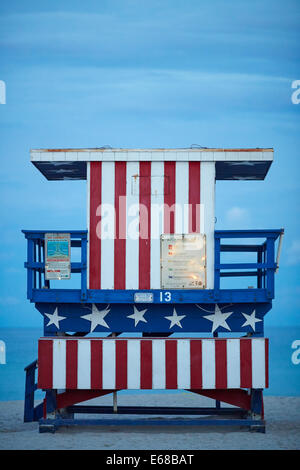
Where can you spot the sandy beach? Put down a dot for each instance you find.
(282, 415)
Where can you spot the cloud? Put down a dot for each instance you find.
(156, 60)
(145, 36)
(237, 215)
(293, 253)
(168, 92)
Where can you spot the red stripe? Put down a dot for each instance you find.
(71, 363)
(121, 364)
(169, 198)
(95, 225)
(45, 363)
(267, 361)
(194, 197)
(71, 397)
(145, 225)
(221, 363)
(196, 363)
(171, 364)
(120, 226)
(96, 364)
(246, 363)
(146, 364)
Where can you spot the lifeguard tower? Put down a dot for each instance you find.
(151, 267)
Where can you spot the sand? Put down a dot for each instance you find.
(282, 415)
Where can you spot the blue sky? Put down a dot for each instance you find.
(135, 73)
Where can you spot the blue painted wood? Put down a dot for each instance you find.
(257, 401)
(178, 296)
(38, 412)
(156, 410)
(31, 412)
(255, 233)
(152, 422)
(217, 263)
(196, 317)
(76, 267)
(271, 270)
(264, 270)
(50, 401)
(30, 272)
(41, 233)
(246, 265)
(36, 265)
(240, 248)
(259, 271)
(30, 388)
(84, 268)
(74, 304)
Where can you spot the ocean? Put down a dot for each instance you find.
(21, 349)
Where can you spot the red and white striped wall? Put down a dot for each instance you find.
(138, 363)
(124, 251)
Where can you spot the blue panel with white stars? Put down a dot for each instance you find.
(206, 318)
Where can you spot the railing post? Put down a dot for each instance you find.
(30, 272)
(217, 263)
(259, 271)
(270, 267)
(46, 281)
(39, 260)
(29, 393)
(84, 267)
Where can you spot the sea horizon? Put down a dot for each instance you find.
(21, 350)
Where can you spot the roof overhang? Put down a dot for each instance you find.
(231, 164)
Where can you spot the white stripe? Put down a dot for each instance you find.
(133, 364)
(84, 364)
(181, 197)
(233, 363)
(88, 182)
(107, 225)
(158, 364)
(150, 155)
(183, 364)
(258, 363)
(59, 363)
(132, 222)
(207, 216)
(109, 364)
(208, 363)
(157, 217)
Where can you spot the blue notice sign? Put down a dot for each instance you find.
(57, 259)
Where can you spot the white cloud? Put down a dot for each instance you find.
(237, 214)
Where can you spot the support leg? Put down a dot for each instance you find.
(29, 393)
(257, 409)
(50, 412)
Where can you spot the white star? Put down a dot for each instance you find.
(138, 316)
(218, 319)
(97, 317)
(251, 320)
(241, 163)
(175, 319)
(54, 318)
